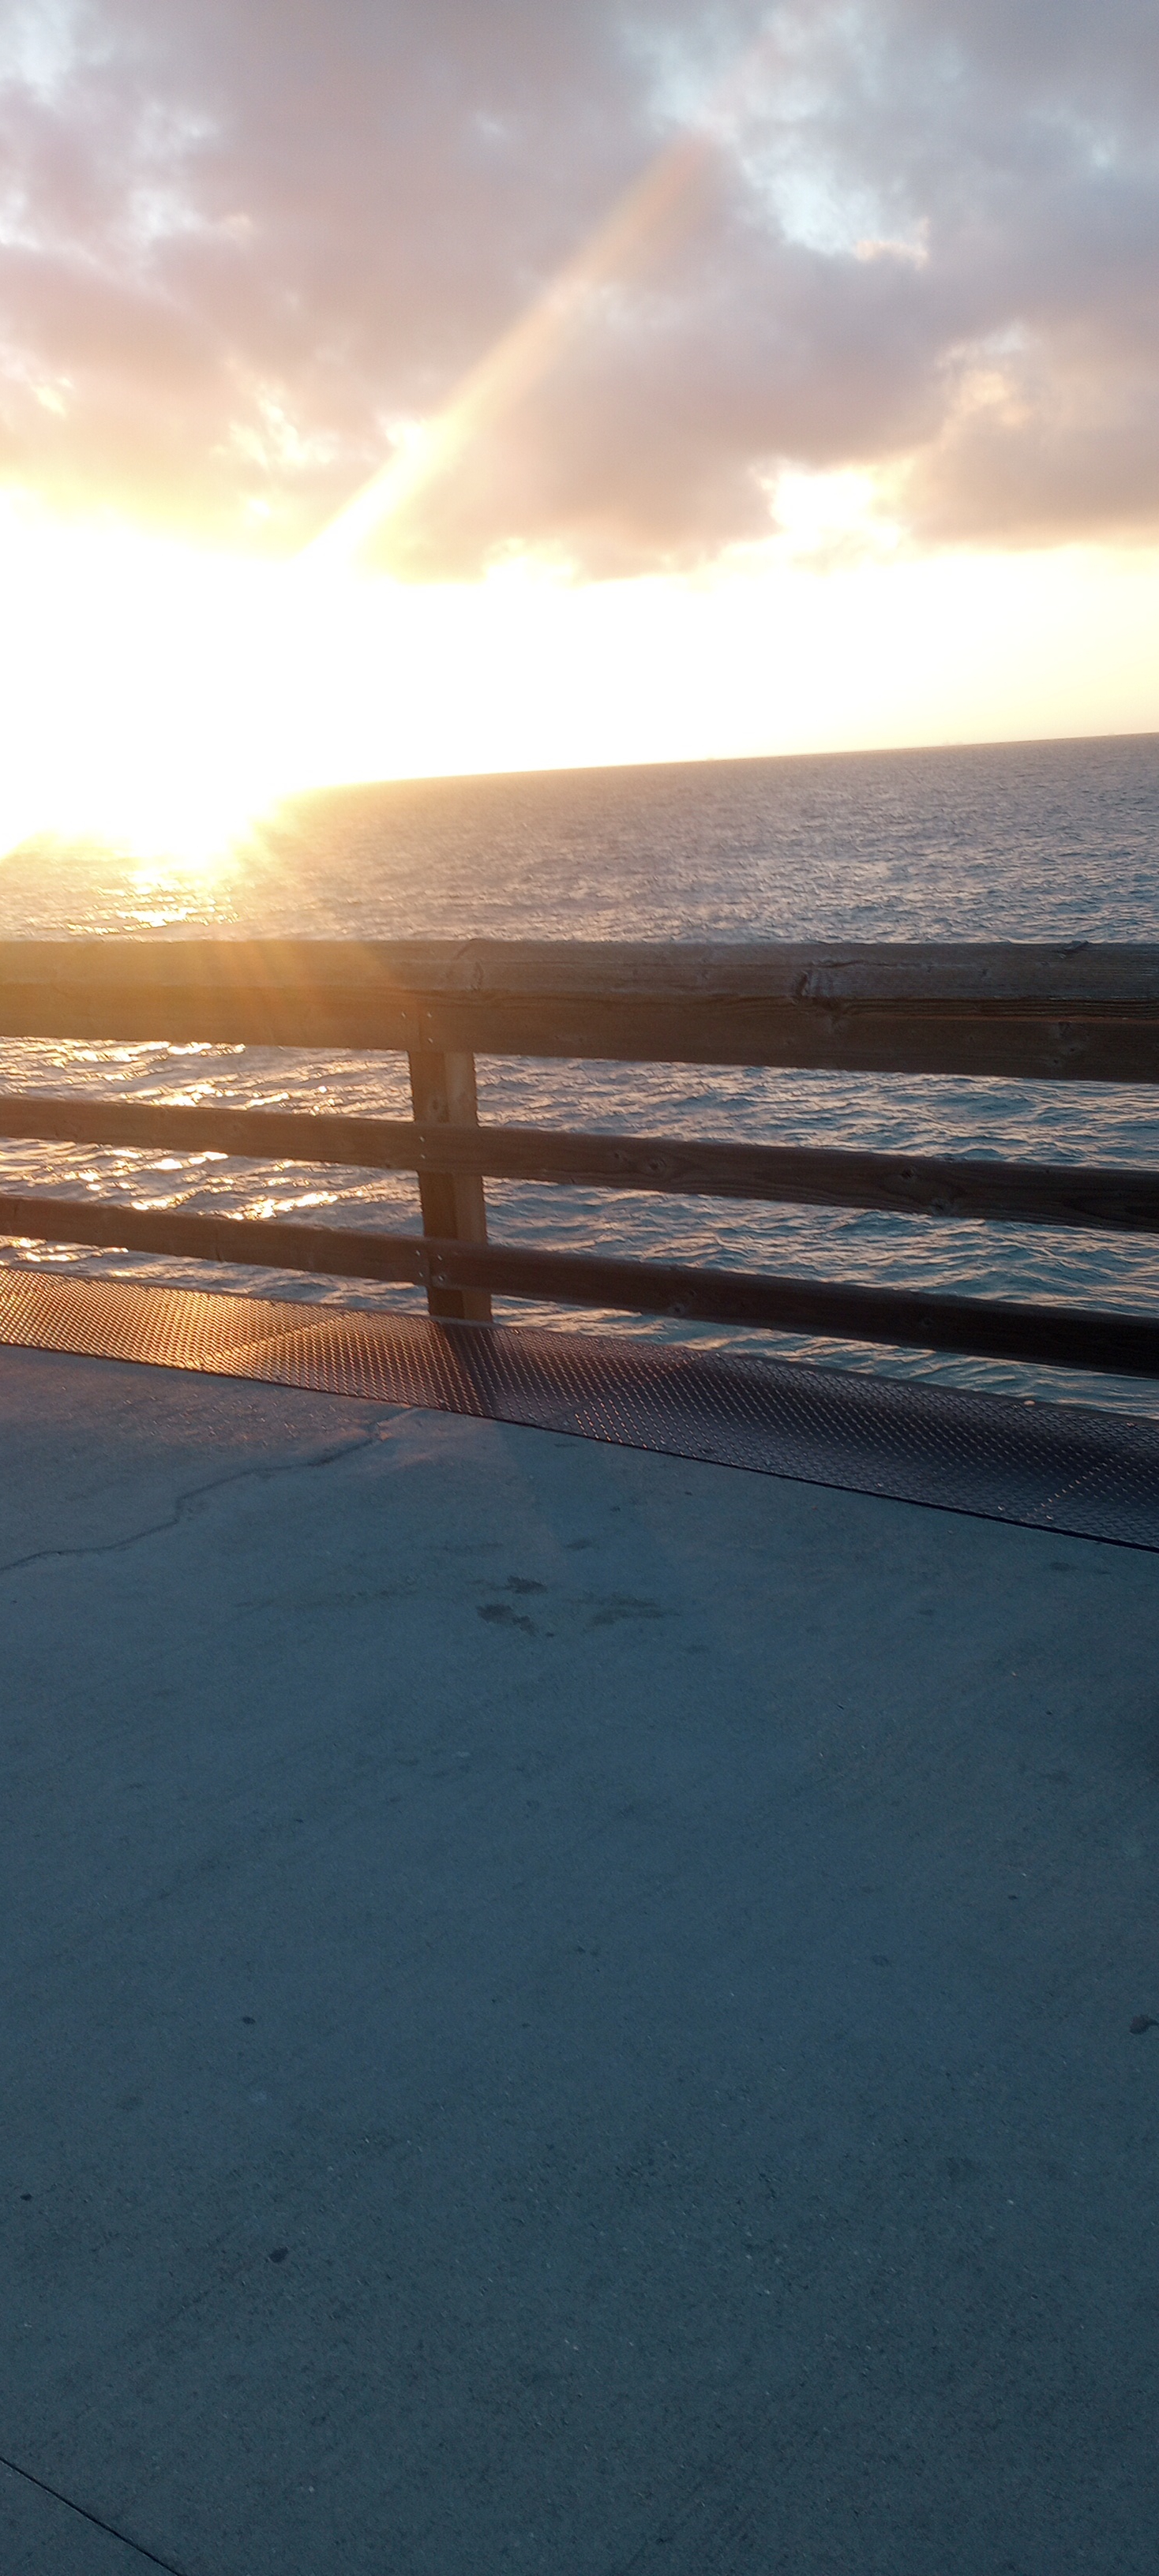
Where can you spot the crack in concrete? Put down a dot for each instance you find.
(184, 1502)
(97, 2520)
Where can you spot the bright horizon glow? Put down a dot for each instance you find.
(159, 697)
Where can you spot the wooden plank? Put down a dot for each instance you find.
(981, 973)
(1062, 1194)
(443, 1093)
(1118, 1043)
(1060, 1336)
(271, 1243)
(1088, 1013)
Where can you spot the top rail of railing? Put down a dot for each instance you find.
(1082, 1012)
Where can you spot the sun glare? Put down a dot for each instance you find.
(138, 680)
(158, 700)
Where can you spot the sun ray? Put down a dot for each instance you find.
(645, 222)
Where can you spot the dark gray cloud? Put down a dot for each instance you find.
(245, 243)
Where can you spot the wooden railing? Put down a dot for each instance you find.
(1081, 1013)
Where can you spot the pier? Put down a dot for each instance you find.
(569, 2005)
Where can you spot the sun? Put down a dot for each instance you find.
(159, 698)
(144, 684)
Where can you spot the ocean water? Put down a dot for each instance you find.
(1051, 841)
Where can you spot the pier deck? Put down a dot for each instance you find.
(565, 2010)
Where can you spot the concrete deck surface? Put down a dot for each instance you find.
(562, 2011)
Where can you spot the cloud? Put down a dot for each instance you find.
(245, 251)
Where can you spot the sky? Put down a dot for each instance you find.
(396, 386)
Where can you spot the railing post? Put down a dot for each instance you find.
(442, 1089)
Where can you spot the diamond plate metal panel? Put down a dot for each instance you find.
(1054, 1467)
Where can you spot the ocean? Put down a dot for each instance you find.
(1041, 841)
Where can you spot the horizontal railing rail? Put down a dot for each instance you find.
(1105, 1197)
(1083, 1012)
(989, 1327)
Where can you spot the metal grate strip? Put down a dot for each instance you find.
(1055, 1467)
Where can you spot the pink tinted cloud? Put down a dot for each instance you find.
(242, 248)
